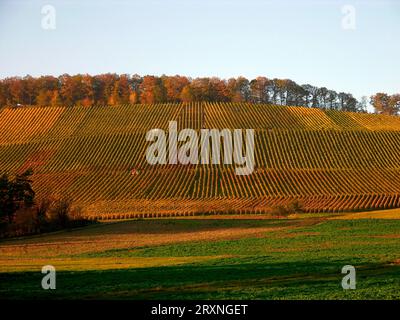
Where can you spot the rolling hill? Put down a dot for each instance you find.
(331, 161)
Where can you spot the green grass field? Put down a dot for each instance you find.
(209, 258)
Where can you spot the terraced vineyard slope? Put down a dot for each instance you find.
(331, 161)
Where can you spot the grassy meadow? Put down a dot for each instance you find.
(251, 257)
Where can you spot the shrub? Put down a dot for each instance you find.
(296, 207)
(42, 210)
(280, 211)
(60, 211)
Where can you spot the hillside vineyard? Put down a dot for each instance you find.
(331, 161)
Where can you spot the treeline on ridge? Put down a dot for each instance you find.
(113, 89)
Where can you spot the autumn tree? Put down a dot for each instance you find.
(187, 94)
(209, 89)
(394, 103)
(386, 104)
(217, 90)
(200, 89)
(3, 94)
(152, 90)
(258, 88)
(238, 89)
(380, 102)
(16, 91)
(174, 87)
(72, 89)
(47, 88)
(121, 93)
(87, 93)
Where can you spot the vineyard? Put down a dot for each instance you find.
(330, 161)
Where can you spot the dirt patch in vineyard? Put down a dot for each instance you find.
(36, 160)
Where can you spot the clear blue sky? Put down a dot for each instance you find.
(300, 40)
